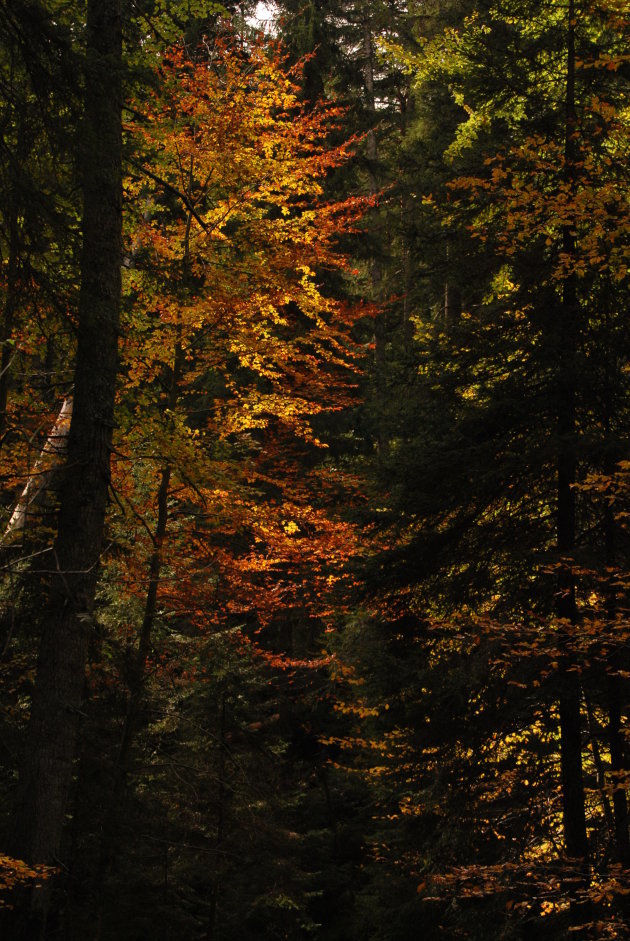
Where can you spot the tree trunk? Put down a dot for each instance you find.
(10, 306)
(43, 473)
(573, 812)
(47, 767)
(618, 767)
(376, 272)
(613, 682)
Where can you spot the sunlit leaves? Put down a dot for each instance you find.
(233, 348)
(15, 873)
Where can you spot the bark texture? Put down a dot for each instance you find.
(41, 478)
(47, 769)
(573, 810)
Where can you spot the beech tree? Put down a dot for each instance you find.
(232, 353)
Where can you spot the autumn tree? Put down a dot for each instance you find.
(233, 355)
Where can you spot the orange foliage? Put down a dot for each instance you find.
(232, 345)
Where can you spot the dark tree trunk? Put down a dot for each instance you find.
(574, 820)
(47, 768)
(618, 767)
(10, 306)
(14, 215)
(376, 272)
(614, 688)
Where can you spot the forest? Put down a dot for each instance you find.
(314, 470)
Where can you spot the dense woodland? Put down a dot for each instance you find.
(315, 470)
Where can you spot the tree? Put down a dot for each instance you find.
(487, 501)
(232, 353)
(51, 738)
